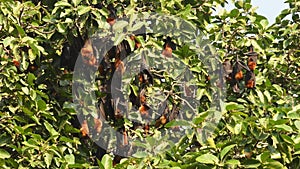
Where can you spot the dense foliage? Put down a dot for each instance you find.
(259, 127)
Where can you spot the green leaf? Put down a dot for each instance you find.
(297, 124)
(135, 89)
(61, 28)
(200, 93)
(233, 106)
(32, 55)
(25, 90)
(50, 128)
(264, 23)
(20, 30)
(119, 38)
(175, 168)
(41, 105)
(233, 162)
(76, 2)
(260, 96)
(13, 109)
(286, 43)
(136, 26)
(196, 69)
(8, 40)
(151, 141)
(31, 77)
(251, 163)
(234, 13)
(83, 9)
(247, 6)
(27, 111)
(287, 139)
(100, 166)
(278, 122)
(269, 36)
(4, 154)
(174, 123)
(283, 14)
(1, 50)
(237, 128)
(226, 150)
(107, 161)
(62, 3)
(256, 45)
(272, 164)
(4, 139)
(31, 143)
(264, 156)
(278, 88)
(211, 142)
(104, 12)
(119, 25)
(201, 118)
(79, 165)
(239, 4)
(140, 39)
(48, 159)
(42, 94)
(208, 159)
(268, 96)
(294, 113)
(140, 154)
(65, 139)
(70, 158)
(131, 43)
(284, 127)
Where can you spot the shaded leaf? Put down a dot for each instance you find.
(251, 163)
(177, 123)
(41, 105)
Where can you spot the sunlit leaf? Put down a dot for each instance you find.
(48, 159)
(284, 127)
(62, 3)
(107, 161)
(7, 41)
(70, 158)
(76, 2)
(140, 154)
(208, 159)
(83, 9)
(4, 154)
(226, 150)
(50, 128)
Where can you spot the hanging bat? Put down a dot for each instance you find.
(168, 47)
(250, 80)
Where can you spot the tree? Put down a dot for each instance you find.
(42, 40)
